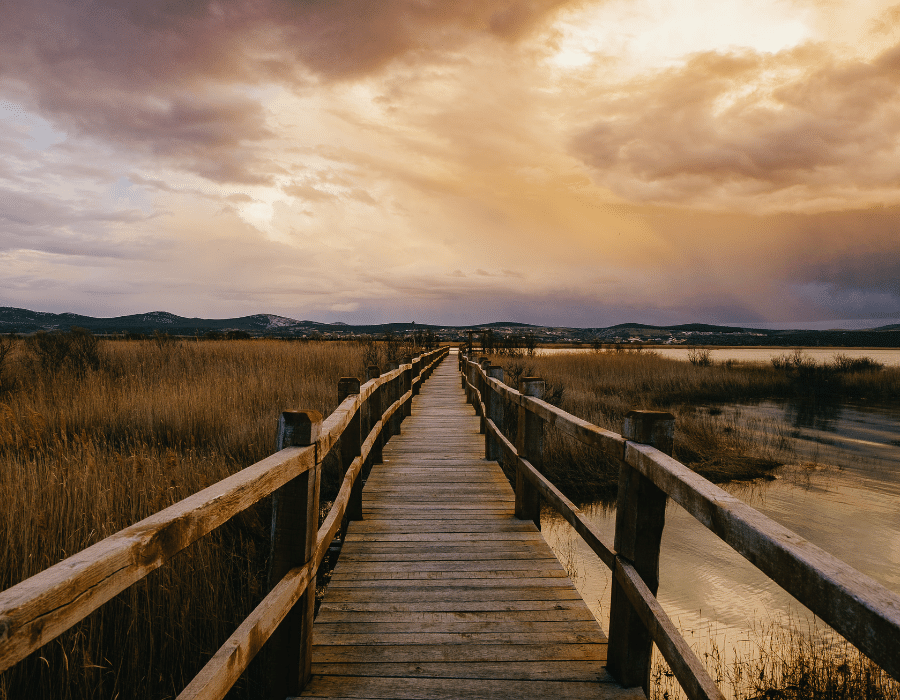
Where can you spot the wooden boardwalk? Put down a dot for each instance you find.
(440, 592)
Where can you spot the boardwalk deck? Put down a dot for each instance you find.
(440, 592)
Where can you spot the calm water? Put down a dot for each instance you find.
(883, 355)
(843, 495)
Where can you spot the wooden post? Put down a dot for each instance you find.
(416, 371)
(350, 450)
(640, 516)
(494, 405)
(295, 520)
(406, 385)
(483, 390)
(376, 407)
(392, 393)
(530, 446)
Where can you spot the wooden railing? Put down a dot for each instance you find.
(863, 611)
(37, 610)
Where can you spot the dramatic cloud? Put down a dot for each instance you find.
(538, 160)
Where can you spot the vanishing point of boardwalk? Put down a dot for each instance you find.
(440, 592)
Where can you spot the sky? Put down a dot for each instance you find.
(542, 161)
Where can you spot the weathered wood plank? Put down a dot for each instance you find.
(439, 579)
(451, 596)
(453, 607)
(513, 670)
(514, 637)
(417, 627)
(422, 566)
(330, 616)
(440, 689)
(460, 653)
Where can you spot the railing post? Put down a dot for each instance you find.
(640, 516)
(376, 407)
(350, 450)
(393, 392)
(482, 389)
(416, 371)
(530, 446)
(406, 385)
(494, 404)
(295, 520)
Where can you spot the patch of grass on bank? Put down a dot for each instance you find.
(94, 439)
(787, 663)
(602, 387)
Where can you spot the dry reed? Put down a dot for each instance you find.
(85, 453)
(791, 660)
(603, 387)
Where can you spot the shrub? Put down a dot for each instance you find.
(700, 357)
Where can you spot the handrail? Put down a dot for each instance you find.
(37, 610)
(866, 613)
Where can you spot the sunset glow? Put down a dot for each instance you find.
(570, 163)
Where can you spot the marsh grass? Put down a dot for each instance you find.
(601, 387)
(85, 452)
(795, 660)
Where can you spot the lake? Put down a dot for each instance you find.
(887, 356)
(842, 495)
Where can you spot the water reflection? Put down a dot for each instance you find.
(813, 413)
(843, 495)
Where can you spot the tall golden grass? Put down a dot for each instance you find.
(601, 387)
(788, 662)
(86, 453)
(795, 660)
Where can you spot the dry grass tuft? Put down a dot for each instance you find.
(601, 387)
(792, 662)
(87, 449)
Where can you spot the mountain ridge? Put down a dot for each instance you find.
(26, 321)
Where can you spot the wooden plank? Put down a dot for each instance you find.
(440, 689)
(446, 606)
(460, 653)
(514, 670)
(386, 551)
(440, 582)
(512, 582)
(551, 566)
(330, 616)
(462, 594)
(514, 637)
(418, 627)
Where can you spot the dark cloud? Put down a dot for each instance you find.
(167, 78)
(58, 227)
(718, 123)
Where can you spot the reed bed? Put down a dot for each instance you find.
(90, 447)
(794, 660)
(602, 387)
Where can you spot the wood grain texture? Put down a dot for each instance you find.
(440, 590)
(40, 608)
(866, 613)
(37, 610)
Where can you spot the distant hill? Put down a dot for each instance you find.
(24, 321)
